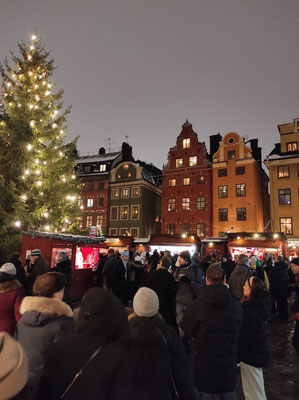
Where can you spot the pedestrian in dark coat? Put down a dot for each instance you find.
(101, 325)
(213, 321)
(121, 283)
(38, 266)
(228, 265)
(196, 275)
(11, 296)
(253, 350)
(21, 275)
(294, 303)
(45, 319)
(279, 288)
(240, 275)
(162, 282)
(108, 269)
(157, 361)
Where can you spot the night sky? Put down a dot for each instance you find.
(140, 68)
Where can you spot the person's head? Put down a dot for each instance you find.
(13, 367)
(243, 259)
(125, 255)
(184, 258)
(146, 303)
(295, 265)
(50, 284)
(102, 314)
(8, 270)
(253, 288)
(195, 258)
(215, 275)
(62, 256)
(34, 255)
(110, 251)
(165, 262)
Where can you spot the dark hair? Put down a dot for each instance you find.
(49, 283)
(257, 287)
(215, 274)
(242, 259)
(166, 262)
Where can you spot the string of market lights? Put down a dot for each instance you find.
(43, 150)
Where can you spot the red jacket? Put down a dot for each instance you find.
(11, 296)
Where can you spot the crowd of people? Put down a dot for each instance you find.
(155, 326)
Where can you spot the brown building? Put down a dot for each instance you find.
(283, 165)
(135, 200)
(240, 187)
(94, 171)
(186, 187)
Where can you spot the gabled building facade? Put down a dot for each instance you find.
(240, 187)
(94, 172)
(135, 200)
(283, 166)
(186, 187)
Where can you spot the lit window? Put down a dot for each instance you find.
(186, 143)
(172, 182)
(192, 161)
(292, 146)
(200, 203)
(223, 214)
(89, 203)
(125, 193)
(124, 212)
(286, 225)
(126, 166)
(171, 205)
(200, 179)
(186, 181)
(201, 229)
(135, 212)
(179, 163)
(241, 190)
(113, 231)
(88, 220)
(284, 196)
(136, 192)
(102, 167)
(241, 214)
(100, 220)
(115, 193)
(222, 192)
(283, 172)
(80, 202)
(186, 203)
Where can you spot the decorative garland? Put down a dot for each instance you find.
(66, 237)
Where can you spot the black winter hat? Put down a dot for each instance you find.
(185, 255)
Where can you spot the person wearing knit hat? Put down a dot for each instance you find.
(13, 367)
(9, 268)
(155, 346)
(38, 266)
(146, 303)
(185, 255)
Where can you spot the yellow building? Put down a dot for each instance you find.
(240, 187)
(283, 165)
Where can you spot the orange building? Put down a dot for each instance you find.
(240, 188)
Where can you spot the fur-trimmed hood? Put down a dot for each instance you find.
(9, 285)
(45, 305)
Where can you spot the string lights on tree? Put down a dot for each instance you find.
(34, 158)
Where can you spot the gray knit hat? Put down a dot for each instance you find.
(146, 303)
(36, 252)
(13, 367)
(8, 268)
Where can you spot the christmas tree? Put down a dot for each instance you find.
(36, 165)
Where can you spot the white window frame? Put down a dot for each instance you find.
(137, 231)
(125, 229)
(103, 168)
(135, 219)
(116, 219)
(113, 229)
(89, 202)
(115, 191)
(132, 191)
(121, 193)
(120, 217)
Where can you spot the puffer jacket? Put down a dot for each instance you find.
(44, 321)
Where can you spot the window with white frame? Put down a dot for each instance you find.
(135, 232)
(89, 202)
(115, 193)
(113, 231)
(135, 192)
(123, 231)
(113, 213)
(124, 212)
(135, 212)
(124, 193)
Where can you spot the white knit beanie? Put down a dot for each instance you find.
(146, 303)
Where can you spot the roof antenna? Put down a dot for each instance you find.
(109, 144)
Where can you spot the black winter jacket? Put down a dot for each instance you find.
(253, 349)
(153, 362)
(214, 320)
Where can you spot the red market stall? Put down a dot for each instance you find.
(214, 246)
(257, 243)
(174, 243)
(83, 252)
